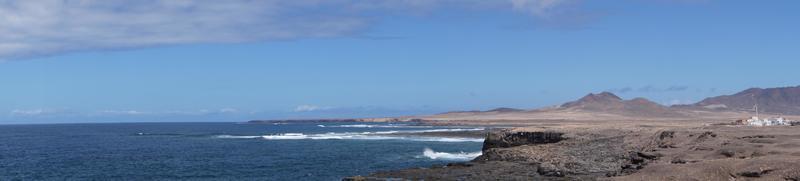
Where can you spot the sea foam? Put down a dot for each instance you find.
(461, 156)
(379, 135)
(286, 136)
(237, 137)
(378, 126)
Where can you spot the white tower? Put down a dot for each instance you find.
(756, 104)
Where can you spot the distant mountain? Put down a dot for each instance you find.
(505, 109)
(784, 100)
(603, 105)
(596, 102)
(496, 110)
(607, 102)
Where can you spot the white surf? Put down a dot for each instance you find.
(460, 156)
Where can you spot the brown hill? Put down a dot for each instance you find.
(596, 102)
(602, 106)
(784, 100)
(607, 102)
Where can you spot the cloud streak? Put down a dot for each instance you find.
(52, 27)
(539, 8)
(310, 108)
(39, 112)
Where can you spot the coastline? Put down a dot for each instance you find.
(609, 150)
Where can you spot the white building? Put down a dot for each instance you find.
(779, 121)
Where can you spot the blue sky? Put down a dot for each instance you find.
(118, 61)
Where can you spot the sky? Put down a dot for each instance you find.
(70, 61)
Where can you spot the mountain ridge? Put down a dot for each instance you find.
(780, 100)
(607, 102)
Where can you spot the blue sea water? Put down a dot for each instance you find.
(220, 151)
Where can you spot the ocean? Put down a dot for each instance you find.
(222, 151)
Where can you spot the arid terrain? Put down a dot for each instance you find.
(627, 150)
(603, 137)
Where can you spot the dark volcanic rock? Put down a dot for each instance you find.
(757, 173)
(505, 139)
(665, 139)
(557, 154)
(649, 156)
(549, 170)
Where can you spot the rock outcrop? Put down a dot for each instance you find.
(557, 154)
(506, 139)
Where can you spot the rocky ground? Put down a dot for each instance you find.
(619, 150)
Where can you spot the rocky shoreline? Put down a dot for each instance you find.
(624, 153)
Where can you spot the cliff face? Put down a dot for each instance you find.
(785, 100)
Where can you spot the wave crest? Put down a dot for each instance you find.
(378, 126)
(286, 136)
(380, 135)
(376, 135)
(236, 137)
(461, 156)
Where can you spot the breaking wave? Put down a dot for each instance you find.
(286, 136)
(443, 139)
(461, 156)
(237, 137)
(378, 126)
(364, 136)
(378, 135)
(444, 130)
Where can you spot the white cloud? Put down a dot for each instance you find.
(309, 108)
(540, 8)
(38, 112)
(44, 27)
(27, 112)
(51, 27)
(228, 110)
(122, 112)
